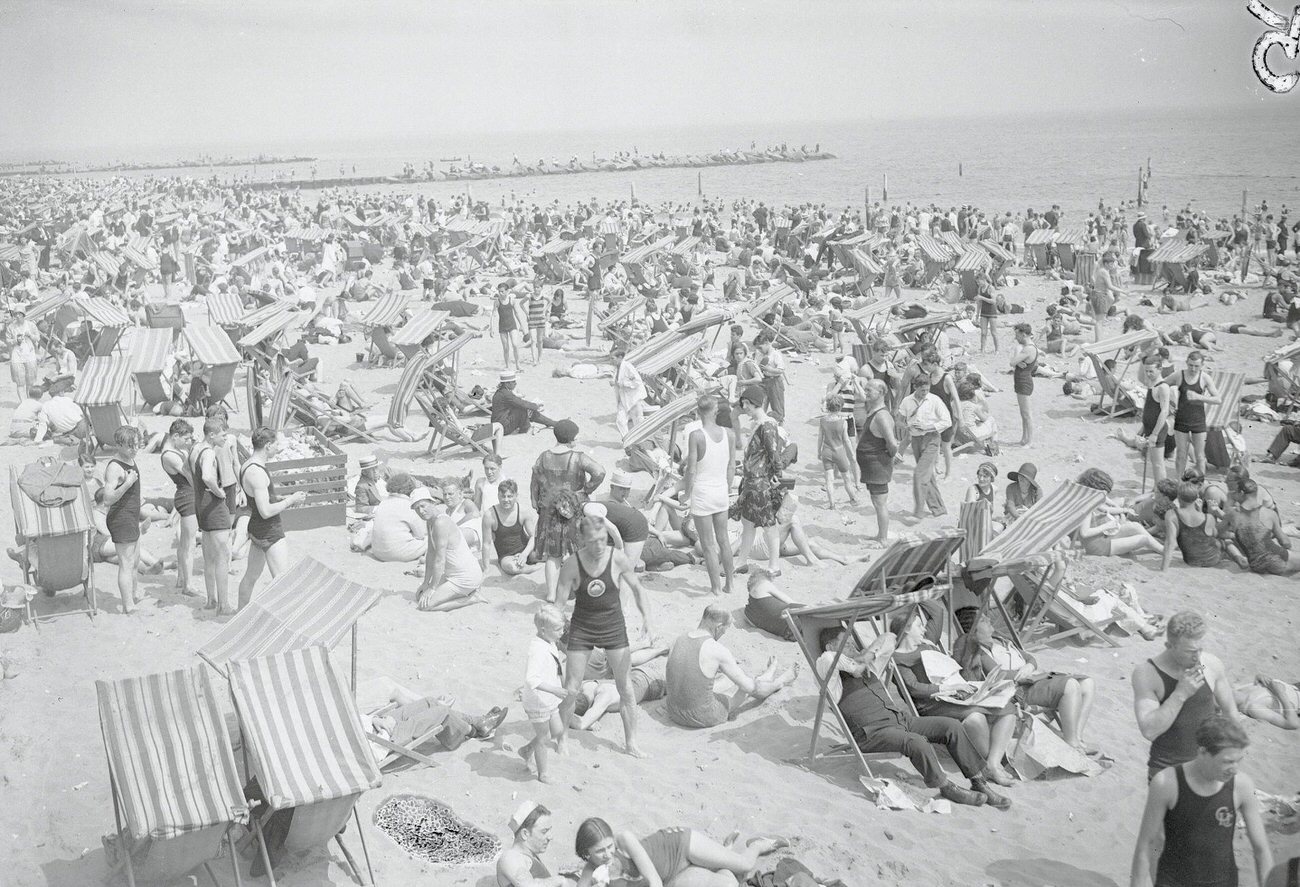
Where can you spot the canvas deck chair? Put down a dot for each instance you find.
(1220, 416)
(211, 346)
(868, 269)
(936, 256)
(1111, 384)
(870, 318)
(259, 342)
(1002, 260)
(679, 355)
(911, 331)
(106, 320)
(226, 310)
(680, 256)
(806, 624)
(1174, 261)
(171, 772)
(307, 750)
(670, 417)
(411, 379)
(448, 428)
(1036, 248)
(617, 324)
(555, 270)
(101, 391)
(410, 337)
(972, 261)
(1022, 553)
(1283, 385)
(908, 562)
(379, 322)
(1069, 240)
(57, 545)
(151, 351)
(765, 305)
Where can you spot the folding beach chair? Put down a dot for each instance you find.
(972, 260)
(975, 520)
(1174, 260)
(908, 562)
(635, 260)
(1036, 244)
(106, 320)
(150, 356)
(1068, 240)
(56, 541)
(1022, 553)
(868, 269)
(869, 319)
(1221, 415)
(380, 320)
(171, 771)
(226, 310)
(936, 255)
(1111, 384)
(617, 323)
(765, 304)
(211, 346)
(1283, 386)
(410, 337)
(555, 270)
(680, 352)
(101, 391)
(670, 418)
(307, 750)
(259, 342)
(680, 256)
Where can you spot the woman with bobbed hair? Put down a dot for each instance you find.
(1106, 533)
(671, 857)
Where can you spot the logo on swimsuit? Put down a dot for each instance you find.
(596, 587)
(1284, 34)
(1226, 817)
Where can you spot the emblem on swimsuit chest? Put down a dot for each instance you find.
(1225, 816)
(595, 588)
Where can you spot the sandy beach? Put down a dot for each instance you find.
(749, 774)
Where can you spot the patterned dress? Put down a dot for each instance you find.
(558, 482)
(760, 478)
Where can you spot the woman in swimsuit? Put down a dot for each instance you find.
(595, 575)
(507, 325)
(1105, 534)
(1023, 364)
(982, 489)
(122, 495)
(1270, 700)
(1195, 390)
(267, 545)
(1192, 530)
(175, 462)
(671, 857)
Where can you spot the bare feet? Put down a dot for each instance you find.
(764, 846)
(634, 752)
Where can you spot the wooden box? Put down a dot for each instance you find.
(323, 478)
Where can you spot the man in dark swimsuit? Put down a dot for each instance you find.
(1175, 692)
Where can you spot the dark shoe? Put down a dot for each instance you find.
(486, 726)
(996, 801)
(959, 795)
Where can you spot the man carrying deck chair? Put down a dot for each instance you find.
(880, 723)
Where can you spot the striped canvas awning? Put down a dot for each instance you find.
(906, 562)
(169, 754)
(418, 328)
(652, 346)
(770, 300)
(880, 306)
(264, 313)
(852, 610)
(306, 606)
(101, 311)
(641, 253)
(412, 376)
(1228, 386)
(701, 322)
(934, 250)
(104, 380)
(275, 324)
(1072, 235)
(1034, 533)
(1040, 236)
(150, 349)
(621, 312)
(34, 521)
(997, 251)
(677, 352)
(936, 319)
(685, 246)
(865, 263)
(974, 259)
(952, 241)
(387, 310)
(211, 344)
(1179, 252)
(106, 262)
(660, 420)
(225, 309)
(556, 247)
(302, 729)
(1116, 344)
(48, 304)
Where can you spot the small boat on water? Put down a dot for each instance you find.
(450, 159)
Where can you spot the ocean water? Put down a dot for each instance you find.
(1202, 159)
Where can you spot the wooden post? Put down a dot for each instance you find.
(866, 207)
(1243, 205)
(886, 188)
(959, 170)
(634, 192)
(1142, 197)
(699, 183)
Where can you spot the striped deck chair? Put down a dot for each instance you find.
(410, 337)
(411, 379)
(225, 310)
(1023, 552)
(57, 547)
(617, 324)
(171, 771)
(807, 624)
(765, 304)
(307, 750)
(667, 418)
(150, 356)
(101, 391)
(976, 523)
(110, 320)
(1221, 415)
(908, 562)
(1111, 384)
(211, 345)
(681, 354)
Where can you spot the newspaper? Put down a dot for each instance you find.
(994, 692)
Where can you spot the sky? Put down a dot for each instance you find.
(139, 76)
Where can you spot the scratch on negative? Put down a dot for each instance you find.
(1149, 18)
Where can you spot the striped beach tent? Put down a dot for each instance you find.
(387, 310)
(104, 380)
(411, 378)
(973, 259)
(57, 546)
(663, 418)
(307, 747)
(421, 325)
(176, 791)
(907, 562)
(678, 351)
(225, 309)
(305, 606)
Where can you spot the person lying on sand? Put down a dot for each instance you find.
(670, 857)
(1270, 700)
(409, 716)
(600, 692)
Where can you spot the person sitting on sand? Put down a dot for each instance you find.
(880, 723)
(1023, 492)
(766, 603)
(600, 692)
(670, 857)
(399, 534)
(694, 661)
(509, 530)
(1068, 697)
(514, 414)
(520, 864)
(1262, 546)
(452, 575)
(1192, 529)
(794, 541)
(1106, 533)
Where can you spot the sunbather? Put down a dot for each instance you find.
(1270, 700)
(1107, 533)
(600, 692)
(672, 857)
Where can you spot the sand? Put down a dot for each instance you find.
(746, 775)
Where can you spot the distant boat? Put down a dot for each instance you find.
(450, 159)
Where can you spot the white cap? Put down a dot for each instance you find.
(522, 812)
(595, 509)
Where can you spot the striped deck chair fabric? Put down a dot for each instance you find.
(101, 311)
(169, 754)
(34, 521)
(656, 363)
(448, 350)
(302, 728)
(419, 327)
(276, 323)
(621, 312)
(150, 349)
(277, 417)
(937, 319)
(666, 416)
(107, 262)
(1034, 533)
(211, 344)
(701, 322)
(308, 605)
(410, 380)
(1229, 386)
(260, 315)
(104, 380)
(976, 522)
(770, 300)
(652, 346)
(905, 562)
(48, 304)
(225, 309)
(387, 310)
(880, 306)
(1116, 344)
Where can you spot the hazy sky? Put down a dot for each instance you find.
(137, 75)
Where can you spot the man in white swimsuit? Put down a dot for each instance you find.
(452, 574)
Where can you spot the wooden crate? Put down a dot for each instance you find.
(323, 478)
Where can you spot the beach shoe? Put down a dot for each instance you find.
(995, 799)
(486, 726)
(958, 795)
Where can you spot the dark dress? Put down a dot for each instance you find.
(123, 517)
(553, 474)
(760, 487)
